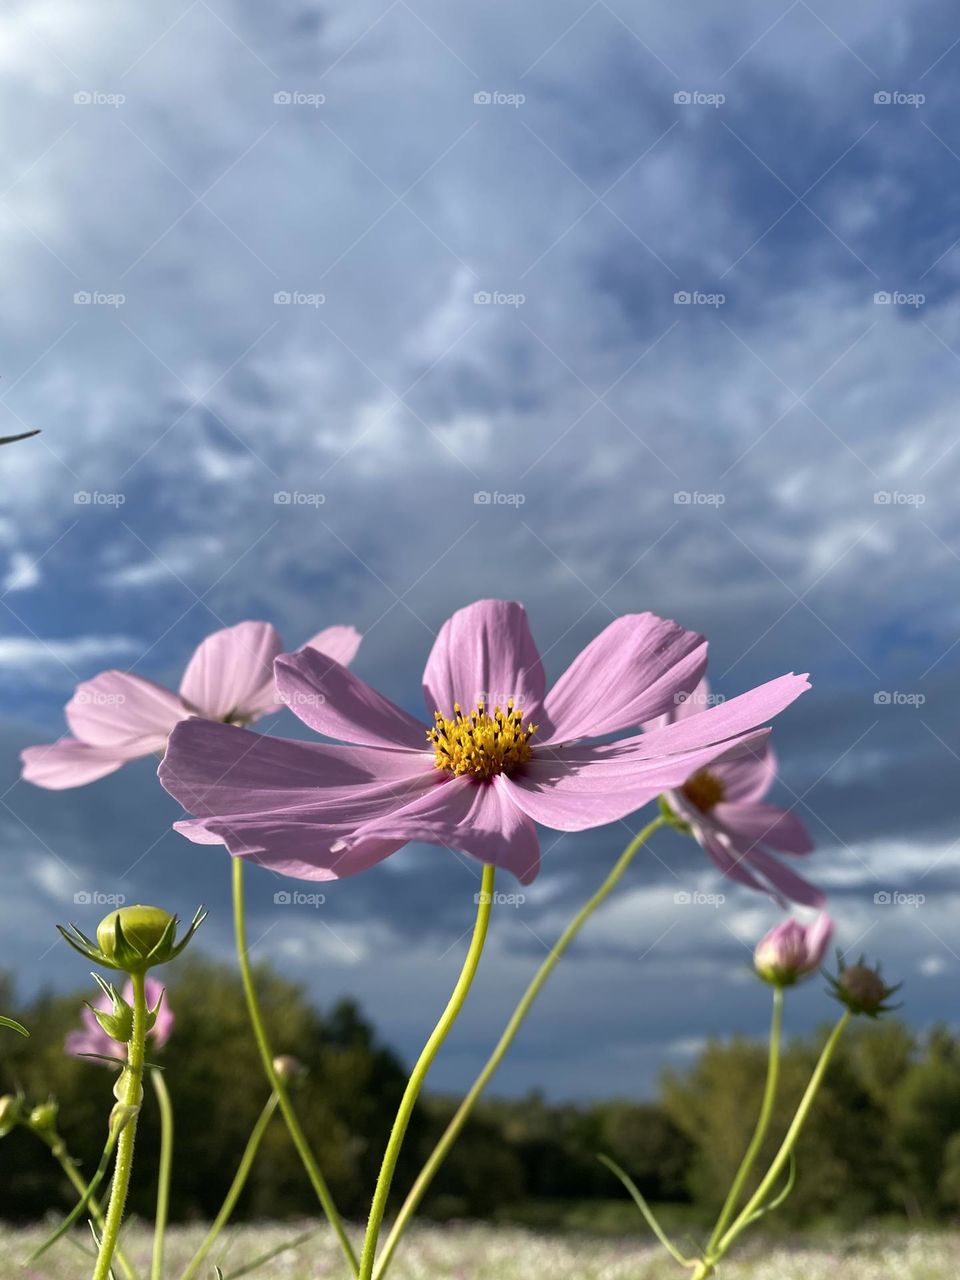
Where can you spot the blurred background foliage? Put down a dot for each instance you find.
(885, 1140)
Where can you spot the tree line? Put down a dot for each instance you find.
(885, 1140)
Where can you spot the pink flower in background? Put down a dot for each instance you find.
(93, 1039)
(722, 804)
(117, 716)
(502, 753)
(793, 950)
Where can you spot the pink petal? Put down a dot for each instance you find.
(69, 763)
(725, 720)
(785, 882)
(484, 653)
(230, 676)
(325, 696)
(684, 705)
(339, 643)
(479, 819)
(217, 769)
(749, 777)
(632, 671)
(117, 709)
(764, 824)
(573, 788)
(732, 866)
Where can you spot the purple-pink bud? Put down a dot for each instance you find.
(793, 950)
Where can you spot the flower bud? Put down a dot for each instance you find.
(137, 935)
(792, 951)
(10, 1114)
(288, 1068)
(862, 989)
(44, 1116)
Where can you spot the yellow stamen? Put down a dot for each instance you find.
(703, 790)
(479, 743)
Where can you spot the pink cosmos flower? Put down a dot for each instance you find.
(793, 950)
(722, 806)
(501, 755)
(93, 1039)
(117, 716)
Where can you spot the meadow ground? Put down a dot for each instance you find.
(480, 1253)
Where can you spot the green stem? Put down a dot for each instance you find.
(130, 1090)
(58, 1150)
(277, 1085)
(419, 1073)
(789, 1142)
(163, 1176)
(763, 1122)
(236, 1186)
(452, 1131)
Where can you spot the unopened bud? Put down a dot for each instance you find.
(10, 1114)
(136, 937)
(792, 951)
(44, 1116)
(862, 989)
(288, 1067)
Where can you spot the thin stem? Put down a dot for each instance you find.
(130, 1089)
(419, 1073)
(789, 1142)
(236, 1186)
(58, 1149)
(648, 1214)
(277, 1085)
(163, 1175)
(452, 1131)
(763, 1122)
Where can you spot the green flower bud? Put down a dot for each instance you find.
(133, 939)
(137, 936)
(44, 1116)
(862, 989)
(10, 1114)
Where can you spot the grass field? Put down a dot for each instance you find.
(477, 1253)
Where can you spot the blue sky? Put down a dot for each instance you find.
(385, 167)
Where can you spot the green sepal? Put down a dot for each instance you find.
(670, 818)
(13, 1025)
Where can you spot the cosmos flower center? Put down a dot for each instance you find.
(703, 790)
(479, 743)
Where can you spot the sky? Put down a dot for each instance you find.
(291, 290)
